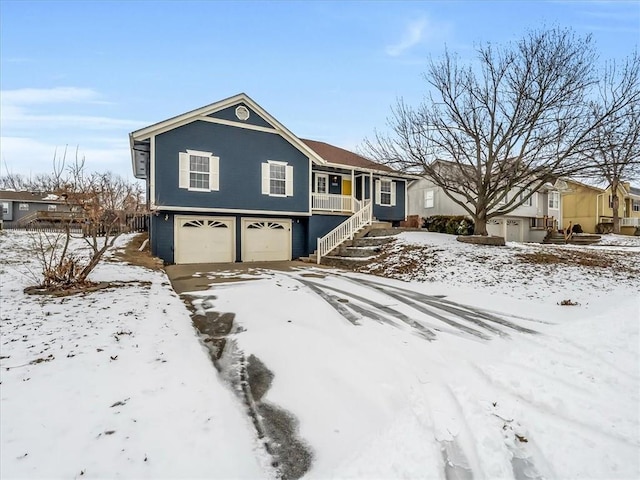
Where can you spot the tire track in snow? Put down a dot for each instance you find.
(431, 313)
(471, 314)
(448, 425)
(421, 329)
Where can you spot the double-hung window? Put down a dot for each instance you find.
(199, 171)
(554, 200)
(277, 179)
(24, 207)
(636, 205)
(5, 208)
(385, 192)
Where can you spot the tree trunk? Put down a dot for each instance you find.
(615, 205)
(480, 223)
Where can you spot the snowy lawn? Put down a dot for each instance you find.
(111, 384)
(471, 369)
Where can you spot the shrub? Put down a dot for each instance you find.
(451, 224)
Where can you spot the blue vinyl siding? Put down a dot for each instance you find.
(162, 234)
(319, 226)
(241, 152)
(229, 113)
(395, 213)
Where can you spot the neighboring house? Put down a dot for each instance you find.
(21, 208)
(227, 182)
(527, 223)
(589, 206)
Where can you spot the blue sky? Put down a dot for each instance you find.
(86, 73)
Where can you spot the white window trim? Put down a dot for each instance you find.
(266, 179)
(392, 196)
(326, 183)
(5, 208)
(551, 202)
(21, 205)
(52, 208)
(185, 171)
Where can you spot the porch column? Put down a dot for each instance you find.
(353, 189)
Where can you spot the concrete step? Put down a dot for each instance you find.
(370, 241)
(375, 224)
(368, 251)
(345, 262)
(384, 232)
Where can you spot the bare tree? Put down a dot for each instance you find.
(99, 203)
(504, 127)
(40, 182)
(614, 154)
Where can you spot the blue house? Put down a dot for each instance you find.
(229, 183)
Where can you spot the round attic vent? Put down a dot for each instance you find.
(242, 112)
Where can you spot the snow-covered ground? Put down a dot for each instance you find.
(111, 384)
(471, 369)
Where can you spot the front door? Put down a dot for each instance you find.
(346, 187)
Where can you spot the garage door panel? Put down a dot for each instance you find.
(266, 240)
(204, 240)
(513, 231)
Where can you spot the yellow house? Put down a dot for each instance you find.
(590, 207)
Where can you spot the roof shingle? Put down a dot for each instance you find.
(341, 156)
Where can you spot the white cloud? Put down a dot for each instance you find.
(412, 36)
(28, 156)
(417, 32)
(14, 117)
(30, 96)
(36, 124)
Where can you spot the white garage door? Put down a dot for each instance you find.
(513, 231)
(265, 240)
(204, 239)
(495, 226)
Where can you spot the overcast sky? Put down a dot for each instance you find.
(86, 73)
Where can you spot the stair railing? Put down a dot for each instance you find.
(345, 231)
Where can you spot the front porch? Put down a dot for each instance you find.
(327, 202)
(337, 190)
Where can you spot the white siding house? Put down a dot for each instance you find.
(527, 223)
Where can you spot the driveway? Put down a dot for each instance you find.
(321, 358)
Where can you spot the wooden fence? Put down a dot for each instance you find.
(132, 223)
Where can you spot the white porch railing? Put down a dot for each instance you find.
(332, 203)
(630, 222)
(345, 231)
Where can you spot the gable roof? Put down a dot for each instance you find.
(202, 113)
(340, 156)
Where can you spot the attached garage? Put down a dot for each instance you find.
(265, 240)
(204, 239)
(514, 231)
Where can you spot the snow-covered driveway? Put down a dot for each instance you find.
(388, 380)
